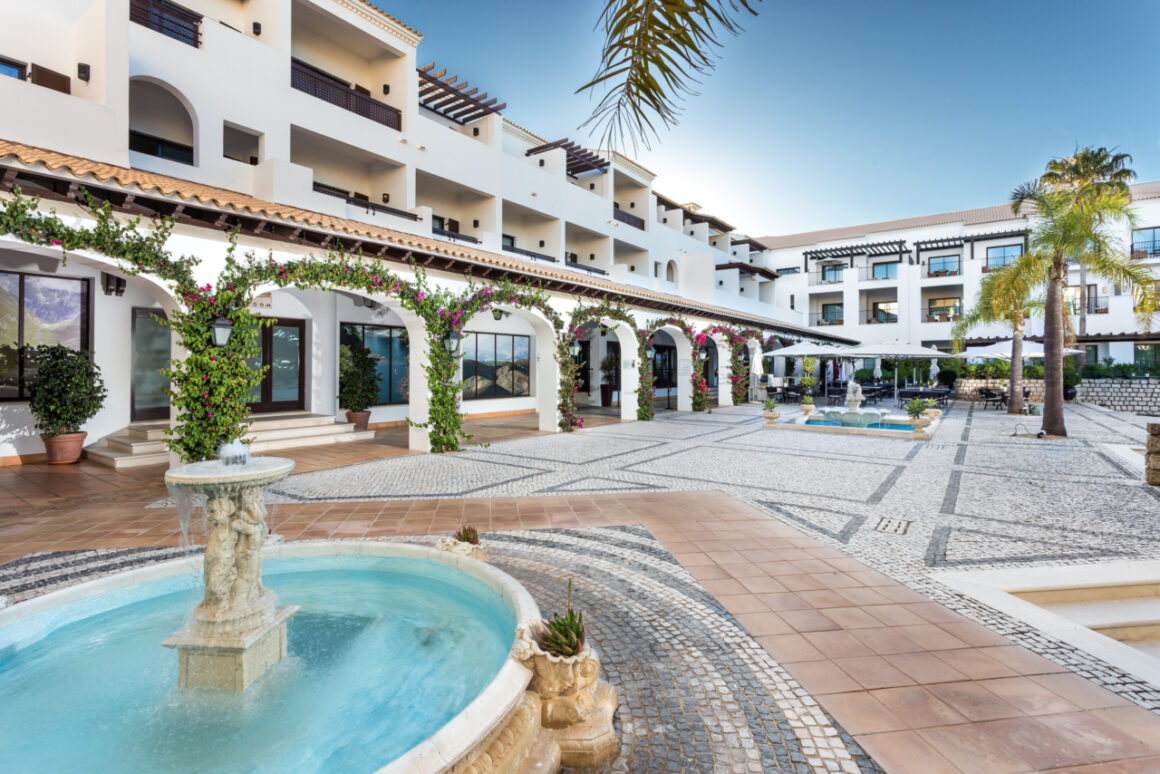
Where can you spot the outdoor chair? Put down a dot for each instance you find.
(992, 396)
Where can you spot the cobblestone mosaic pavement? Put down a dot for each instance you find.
(983, 493)
(697, 693)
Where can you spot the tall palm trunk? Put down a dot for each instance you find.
(1053, 422)
(1015, 403)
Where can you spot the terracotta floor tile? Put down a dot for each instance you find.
(895, 615)
(862, 596)
(762, 623)
(1134, 766)
(1100, 740)
(788, 648)
(786, 601)
(975, 663)
(906, 751)
(860, 713)
(973, 634)
(873, 672)
(925, 668)
(884, 641)
(1035, 743)
(740, 603)
(825, 598)
(822, 677)
(929, 637)
(1083, 693)
(837, 644)
(974, 752)
(851, 618)
(974, 701)
(917, 707)
(1136, 721)
(1022, 660)
(723, 586)
(808, 621)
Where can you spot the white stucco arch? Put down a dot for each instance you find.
(545, 368)
(159, 119)
(724, 368)
(684, 366)
(629, 366)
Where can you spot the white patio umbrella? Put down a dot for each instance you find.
(877, 368)
(1002, 349)
(893, 350)
(934, 369)
(806, 349)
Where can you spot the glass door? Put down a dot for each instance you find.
(148, 397)
(282, 389)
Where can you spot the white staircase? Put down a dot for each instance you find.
(143, 443)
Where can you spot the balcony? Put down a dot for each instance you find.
(628, 217)
(454, 235)
(581, 267)
(879, 317)
(1095, 305)
(1145, 249)
(359, 201)
(170, 20)
(528, 253)
(990, 267)
(327, 88)
(820, 319)
(942, 315)
(827, 277)
(878, 272)
(149, 145)
(943, 269)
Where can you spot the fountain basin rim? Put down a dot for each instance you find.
(438, 752)
(259, 471)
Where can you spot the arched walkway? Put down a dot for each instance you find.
(723, 353)
(629, 366)
(683, 370)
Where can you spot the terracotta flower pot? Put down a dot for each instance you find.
(359, 419)
(64, 449)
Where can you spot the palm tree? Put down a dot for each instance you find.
(1004, 297)
(1088, 171)
(1074, 225)
(655, 52)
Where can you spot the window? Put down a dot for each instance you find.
(507, 240)
(1146, 243)
(942, 309)
(160, 147)
(437, 221)
(790, 270)
(832, 273)
(1091, 353)
(389, 345)
(37, 309)
(791, 300)
(884, 311)
(832, 313)
(998, 257)
(12, 69)
(885, 271)
(943, 266)
(496, 365)
(1148, 358)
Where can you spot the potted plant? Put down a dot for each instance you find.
(465, 541)
(916, 409)
(574, 701)
(1071, 380)
(810, 366)
(770, 411)
(609, 368)
(807, 404)
(358, 384)
(931, 411)
(66, 392)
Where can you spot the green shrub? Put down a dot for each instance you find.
(916, 406)
(1095, 371)
(1071, 377)
(67, 389)
(947, 376)
(864, 375)
(358, 380)
(1032, 372)
(997, 369)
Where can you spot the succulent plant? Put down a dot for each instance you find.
(467, 534)
(563, 635)
(770, 404)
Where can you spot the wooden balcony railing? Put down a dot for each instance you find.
(170, 20)
(329, 89)
(628, 217)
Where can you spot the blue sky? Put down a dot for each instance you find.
(834, 112)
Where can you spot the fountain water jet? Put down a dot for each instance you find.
(238, 629)
(853, 415)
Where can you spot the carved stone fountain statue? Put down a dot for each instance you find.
(238, 629)
(853, 415)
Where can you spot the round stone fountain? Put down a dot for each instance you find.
(853, 415)
(238, 629)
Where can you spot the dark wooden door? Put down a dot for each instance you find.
(283, 353)
(148, 399)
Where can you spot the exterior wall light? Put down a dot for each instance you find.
(451, 343)
(650, 351)
(574, 349)
(220, 329)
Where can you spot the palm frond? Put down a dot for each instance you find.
(655, 53)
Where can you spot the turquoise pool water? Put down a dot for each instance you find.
(384, 651)
(900, 426)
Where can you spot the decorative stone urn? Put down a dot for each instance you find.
(463, 548)
(933, 413)
(920, 421)
(807, 408)
(576, 706)
(770, 417)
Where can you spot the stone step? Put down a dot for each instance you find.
(313, 440)
(288, 419)
(147, 431)
(131, 445)
(261, 433)
(113, 458)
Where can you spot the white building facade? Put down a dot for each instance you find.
(299, 122)
(909, 280)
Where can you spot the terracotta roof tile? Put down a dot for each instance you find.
(225, 199)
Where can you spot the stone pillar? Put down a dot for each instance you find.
(1152, 458)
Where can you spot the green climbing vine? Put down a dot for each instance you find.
(646, 395)
(582, 315)
(211, 386)
(738, 373)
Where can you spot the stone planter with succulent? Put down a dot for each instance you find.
(465, 542)
(576, 706)
(66, 392)
(770, 412)
(916, 410)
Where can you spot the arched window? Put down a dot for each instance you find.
(159, 123)
(671, 272)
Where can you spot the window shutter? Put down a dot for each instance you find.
(453, 225)
(50, 79)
